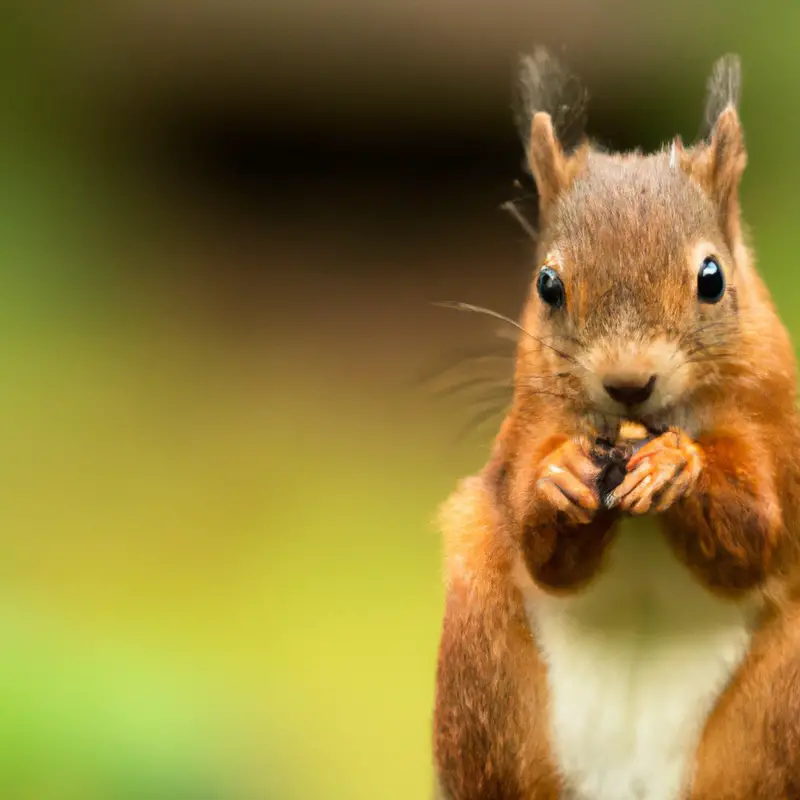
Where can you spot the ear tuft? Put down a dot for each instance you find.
(551, 116)
(545, 84)
(717, 164)
(723, 90)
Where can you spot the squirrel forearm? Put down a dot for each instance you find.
(726, 530)
(562, 544)
(561, 555)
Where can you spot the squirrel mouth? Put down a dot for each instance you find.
(611, 455)
(607, 429)
(654, 424)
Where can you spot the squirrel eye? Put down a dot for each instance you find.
(710, 281)
(550, 288)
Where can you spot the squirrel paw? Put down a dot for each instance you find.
(659, 474)
(567, 480)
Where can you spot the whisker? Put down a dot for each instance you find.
(695, 333)
(446, 364)
(726, 358)
(470, 383)
(564, 337)
(697, 330)
(498, 394)
(711, 357)
(485, 413)
(459, 306)
(479, 419)
(550, 375)
(511, 208)
(705, 348)
(507, 385)
(504, 333)
(559, 395)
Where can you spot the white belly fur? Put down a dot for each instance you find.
(635, 664)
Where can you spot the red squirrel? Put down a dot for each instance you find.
(633, 636)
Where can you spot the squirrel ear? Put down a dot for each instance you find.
(551, 168)
(718, 167)
(729, 159)
(546, 159)
(718, 163)
(551, 115)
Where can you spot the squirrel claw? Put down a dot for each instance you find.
(660, 473)
(566, 481)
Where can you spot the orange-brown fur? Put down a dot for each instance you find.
(621, 226)
(490, 739)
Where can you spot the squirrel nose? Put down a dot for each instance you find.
(630, 392)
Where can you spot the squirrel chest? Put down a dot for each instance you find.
(635, 663)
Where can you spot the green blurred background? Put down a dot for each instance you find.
(222, 227)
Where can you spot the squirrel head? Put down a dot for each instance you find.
(643, 292)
